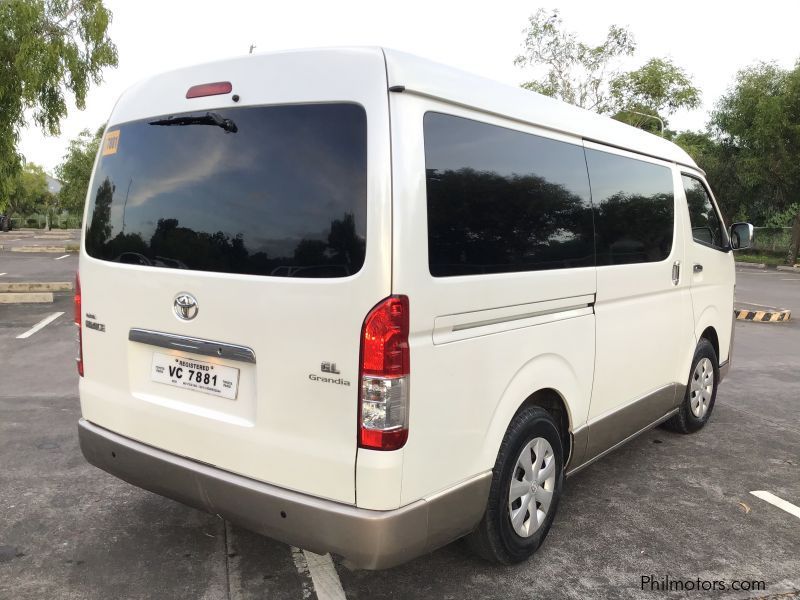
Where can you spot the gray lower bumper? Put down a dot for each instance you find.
(369, 539)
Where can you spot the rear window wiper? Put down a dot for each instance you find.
(210, 118)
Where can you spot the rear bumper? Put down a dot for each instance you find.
(369, 539)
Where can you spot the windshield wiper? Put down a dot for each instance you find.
(210, 118)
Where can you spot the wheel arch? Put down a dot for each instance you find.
(547, 381)
(710, 334)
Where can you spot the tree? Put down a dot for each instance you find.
(585, 75)
(577, 73)
(658, 89)
(28, 192)
(757, 123)
(76, 169)
(48, 49)
(751, 147)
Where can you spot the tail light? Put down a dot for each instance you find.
(383, 402)
(78, 313)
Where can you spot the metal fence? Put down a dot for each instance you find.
(39, 221)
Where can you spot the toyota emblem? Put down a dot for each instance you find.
(185, 306)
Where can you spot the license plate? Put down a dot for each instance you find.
(196, 375)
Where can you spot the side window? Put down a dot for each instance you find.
(501, 200)
(706, 224)
(634, 209)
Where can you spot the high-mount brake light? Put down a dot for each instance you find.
(78, 313)
(209, 89)
(384, 376)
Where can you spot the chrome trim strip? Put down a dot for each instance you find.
(538, 313)
(194, 345)
(369, 539)
(460, 326)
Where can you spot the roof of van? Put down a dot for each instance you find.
(420, 76)
(427, 78)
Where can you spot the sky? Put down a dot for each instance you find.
(712, 40)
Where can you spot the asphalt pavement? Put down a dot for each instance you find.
(665, 505)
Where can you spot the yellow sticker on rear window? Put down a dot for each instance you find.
(111, 143)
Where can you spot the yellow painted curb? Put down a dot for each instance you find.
(763, 316)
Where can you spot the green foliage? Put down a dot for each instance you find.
(48, 49)
(578, 73)
(658, 89)
(27, 192)
(76, 169)
(659, 85)
(757, 125)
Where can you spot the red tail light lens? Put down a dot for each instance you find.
(385, 370)
(209, 89)
(78, 313)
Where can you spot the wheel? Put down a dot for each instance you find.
(701, 391)
(526, 486)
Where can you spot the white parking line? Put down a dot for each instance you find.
(1, 274)
(60, 257)
(779, 502)
(324, 578)
(40, 325)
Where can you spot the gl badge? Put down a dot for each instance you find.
(185, 306)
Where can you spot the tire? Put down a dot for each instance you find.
(701, 391)
(496, 538)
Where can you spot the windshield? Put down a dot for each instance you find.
(277, 191)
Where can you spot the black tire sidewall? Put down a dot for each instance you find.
(535, 423)
(704, 350)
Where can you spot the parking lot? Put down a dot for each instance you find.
(665, 505)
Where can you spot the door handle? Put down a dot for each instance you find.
(698, 268)
(676, 272)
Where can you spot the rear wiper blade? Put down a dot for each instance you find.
(210, 118)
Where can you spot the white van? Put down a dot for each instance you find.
(366, 304)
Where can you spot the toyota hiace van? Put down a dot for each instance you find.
(366, 304)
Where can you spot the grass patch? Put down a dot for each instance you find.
(72, 248)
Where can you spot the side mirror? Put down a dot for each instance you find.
(741, 236)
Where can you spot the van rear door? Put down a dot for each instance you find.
(234, 242)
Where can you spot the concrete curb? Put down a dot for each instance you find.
(749, 265)
(25, 298)
(763, 316)
(29, 286)
(794, 269)
(52, 249)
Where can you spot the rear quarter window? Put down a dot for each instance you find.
(282, 192)
(501, 200)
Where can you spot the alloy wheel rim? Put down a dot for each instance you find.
(532, 486)
(701, 388)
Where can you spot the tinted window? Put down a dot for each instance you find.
(634, 209)
(706, 225)
(500, 200)
(283, 195)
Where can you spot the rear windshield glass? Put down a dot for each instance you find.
(277, 191)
